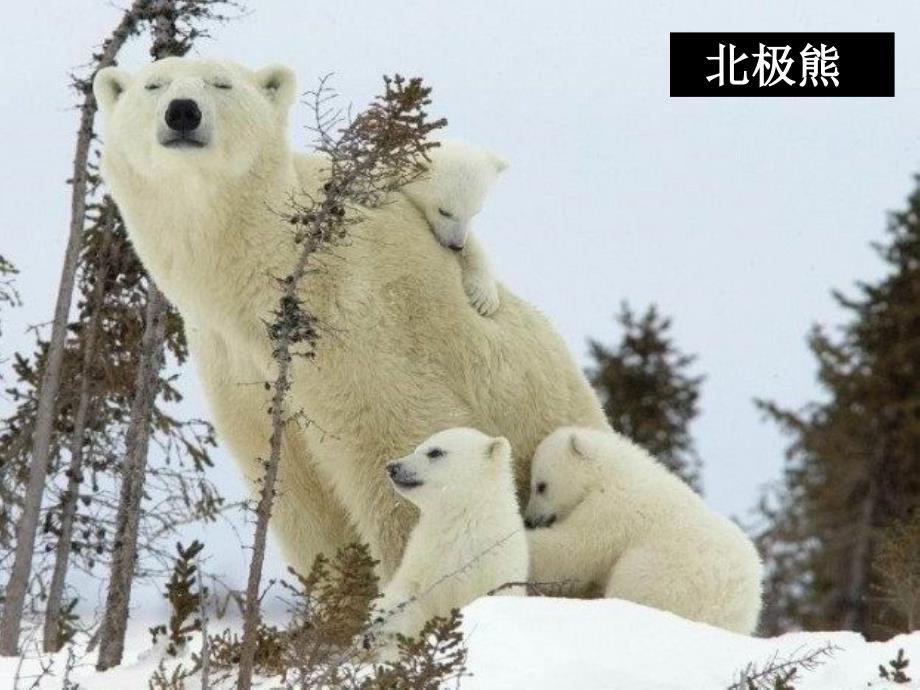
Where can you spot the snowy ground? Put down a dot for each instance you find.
(555, 644)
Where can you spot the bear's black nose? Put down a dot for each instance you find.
(183, 115)
(393, 469)
(539, 521)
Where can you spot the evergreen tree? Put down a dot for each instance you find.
(647, 392)
(853, 467)
(9, 297)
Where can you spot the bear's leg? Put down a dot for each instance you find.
(384, 522)
(478, 281)
(307, 519)
(650, 576)
(381, 518)
(397, 605)
(698, 587)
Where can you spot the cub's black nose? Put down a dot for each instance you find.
(539, 521)
(183, 115)
(393, 469)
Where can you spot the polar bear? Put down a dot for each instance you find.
(614, 518)
(449, 194)
(469, 540)
(195, 154)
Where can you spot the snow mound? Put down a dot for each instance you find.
(568, 644)
(550, 644)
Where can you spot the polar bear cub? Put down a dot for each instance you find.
(470, 537)
(449, 194)
(617, 520)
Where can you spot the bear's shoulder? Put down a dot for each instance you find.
(312, 170)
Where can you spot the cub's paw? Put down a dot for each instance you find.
(483, 295)
(382, 645)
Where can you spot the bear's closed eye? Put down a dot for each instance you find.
(435, 453)
(445, 213)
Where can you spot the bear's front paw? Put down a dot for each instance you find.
(383, 645)
(483, 295)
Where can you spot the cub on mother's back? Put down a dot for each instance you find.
(450, 194)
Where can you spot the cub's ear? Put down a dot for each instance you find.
(108, 85)
(501, 165)
(278, 83)
(576, 445)
(499, 448)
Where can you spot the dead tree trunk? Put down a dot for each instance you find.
(289, 320)
(252, 616)
(51, 642)
(127, 521)
(27, 528)
(115, 620)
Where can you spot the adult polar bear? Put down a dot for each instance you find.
(197, 159)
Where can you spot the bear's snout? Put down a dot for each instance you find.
(402, 476)
(183, 115)
(537, 521)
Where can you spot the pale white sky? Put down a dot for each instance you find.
(735, 216)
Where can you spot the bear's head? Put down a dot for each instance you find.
(453, 189)
(564, 470)
(180, 116)
(452, 466)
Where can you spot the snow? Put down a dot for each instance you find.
(548, 644)
(554, 644)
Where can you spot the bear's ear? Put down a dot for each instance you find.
(108, 84)
(577, 446)
(278, 83)
(498, 448)
(501, 165)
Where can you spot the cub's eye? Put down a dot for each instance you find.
(219, 84)
(152, 86)
(435, 453)
(445, 213)
(541, 487)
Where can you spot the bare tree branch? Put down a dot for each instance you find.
(52, 641)
(27, 527)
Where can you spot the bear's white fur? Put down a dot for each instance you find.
(403, 353)
(621, 522)
(450, 194)
(469, 539)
